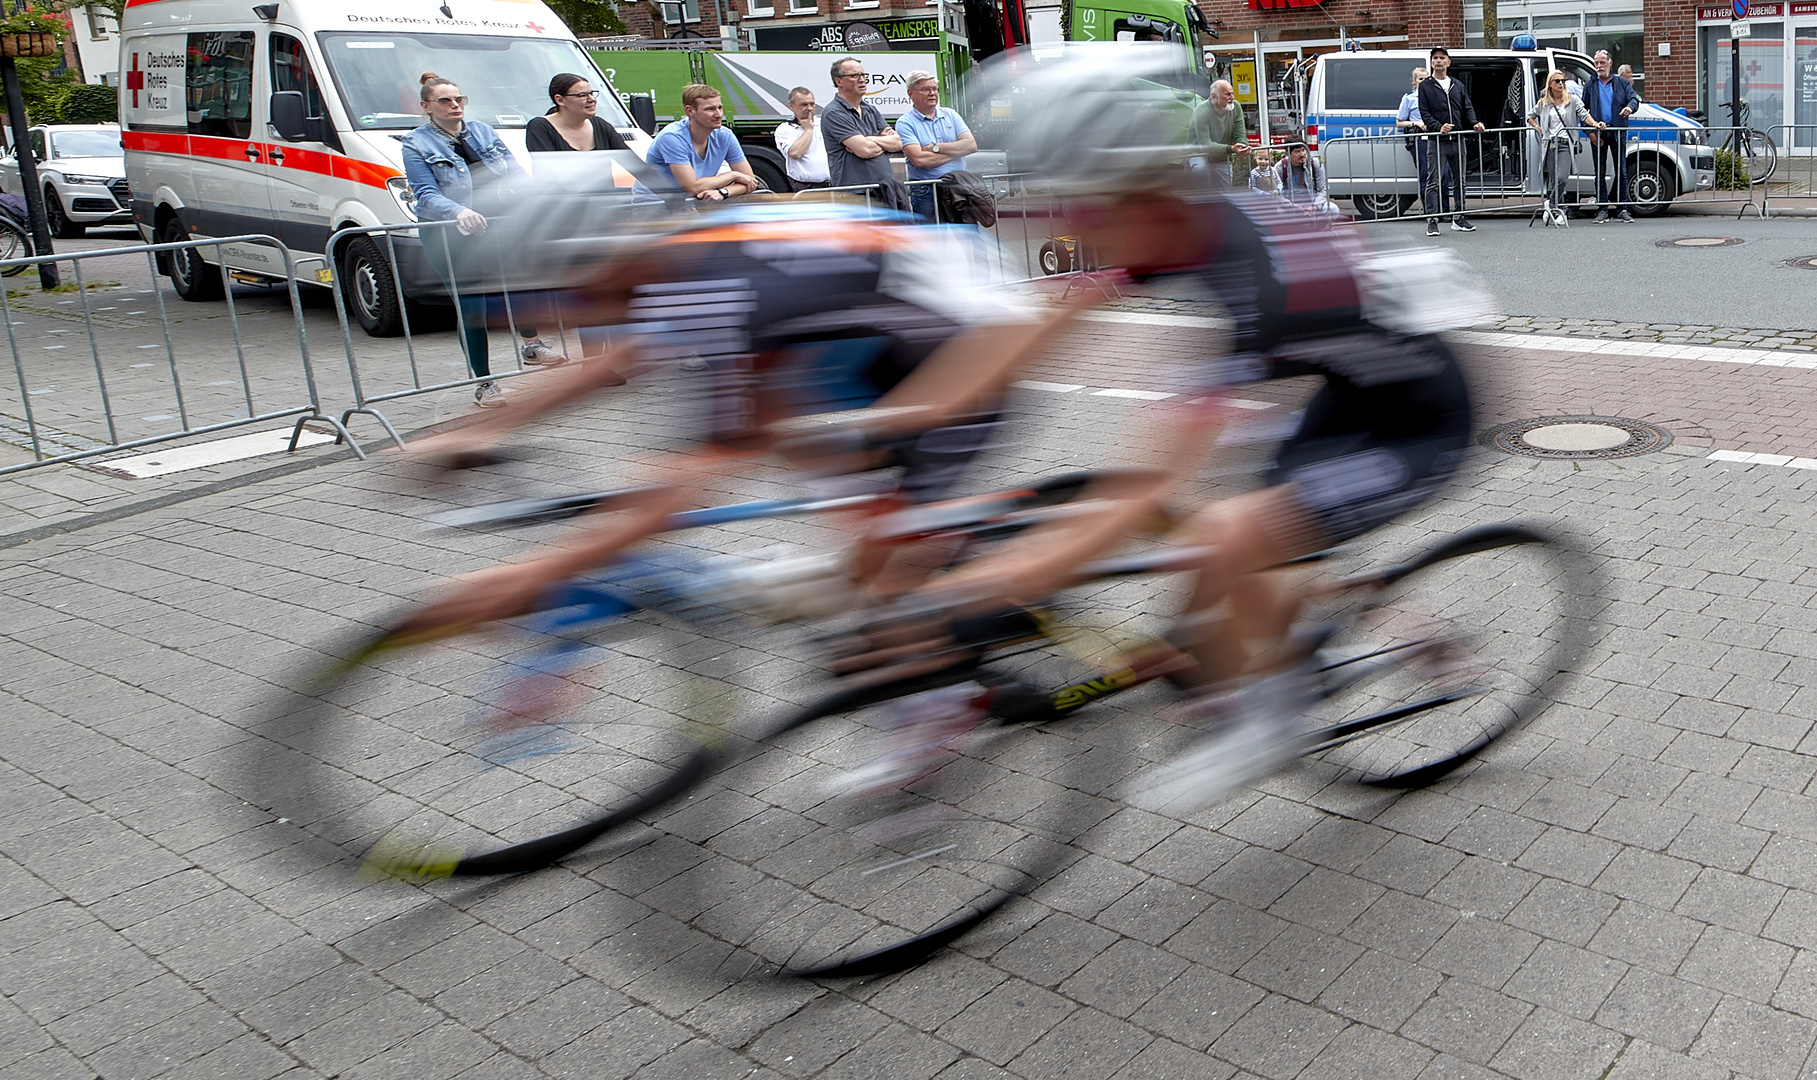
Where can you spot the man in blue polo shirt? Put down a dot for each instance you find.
(699, 152)
(934, 139)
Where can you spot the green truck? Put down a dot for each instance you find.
(961, 33)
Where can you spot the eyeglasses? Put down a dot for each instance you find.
(589, 95)
(462, 100)
(855, 75)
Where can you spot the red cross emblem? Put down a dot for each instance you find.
(534, 27)
(1754, 69)
(135, 80)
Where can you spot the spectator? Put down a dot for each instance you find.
(1610, 99)
(858, 142)
(442, 161)
(1226, 135)
(934, 139)
(572, 122)
(1300, 179)
(1261, 175)
(803, 152)
(1407, 120)
(1626, 71)
(699, 151)
(1445, 108)
(1553, 116)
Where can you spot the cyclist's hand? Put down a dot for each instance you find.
(500, 592)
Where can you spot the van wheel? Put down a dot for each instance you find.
(1376, 205)
(369, 289)
(61, 226)
(1652, 188)
(190, 275)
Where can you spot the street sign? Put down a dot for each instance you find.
(1741, 10)
(1739, 29)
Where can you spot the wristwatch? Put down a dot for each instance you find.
(725, 192)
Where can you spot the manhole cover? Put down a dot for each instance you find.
(1803, 262)
(1577, 437)
(1699, 242)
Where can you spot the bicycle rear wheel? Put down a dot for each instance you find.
(498, 752)
(842, 870)
(1761, 155)
(1437, 658)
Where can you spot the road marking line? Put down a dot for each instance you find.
(201, 455)
(1139, 395)
(1724, 354)
(1052, 387)
(1153, 318)
(1743, 457)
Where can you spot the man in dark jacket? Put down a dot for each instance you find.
(1446, 110)
(1610, 99)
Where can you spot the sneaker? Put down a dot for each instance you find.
(1625, 216)
(1431, 226)
(926, 731)
(539, 353)
(1255, 736)
(1460, 225)
(1602, 217)
(487, 395)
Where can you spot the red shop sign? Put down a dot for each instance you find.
(1755, 11)
(1809, 8)
(1281, 5)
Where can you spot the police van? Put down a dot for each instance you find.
(287, 119)
(1354, 96)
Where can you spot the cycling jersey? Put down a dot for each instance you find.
(798, 314)
(1392, 421)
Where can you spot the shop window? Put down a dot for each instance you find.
(1624, 47)
(1762, 75)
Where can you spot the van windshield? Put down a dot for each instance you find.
(505, 79)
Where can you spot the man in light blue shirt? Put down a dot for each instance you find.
(699, 153)
(934, 139)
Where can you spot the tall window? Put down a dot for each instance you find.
(219, 84)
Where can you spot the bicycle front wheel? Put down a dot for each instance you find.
(492, 753)
(1437, 658)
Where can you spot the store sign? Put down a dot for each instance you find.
(877, 35)
(1282, 5)
(1726, 13)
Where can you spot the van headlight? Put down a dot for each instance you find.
(1693, 137)
(406, 199)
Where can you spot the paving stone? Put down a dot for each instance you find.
(1006, 1021)
(1658, 1008)
(1088, 1045)
(1737, 964)
(1729, 900)
(1380, 990)
(1755, 1040)
(1466, 1021)
(1549, 1044)
(1278, 1038)
(1643, 1060)
(1197, 1007)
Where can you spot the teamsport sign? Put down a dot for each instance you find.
(879, 35)
(757, 84)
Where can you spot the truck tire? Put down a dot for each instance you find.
(1653, 187)
(773, 176)
(191, 276)
(369, 289)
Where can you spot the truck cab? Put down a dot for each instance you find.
(1353, 98)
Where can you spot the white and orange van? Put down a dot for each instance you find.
(287, 119)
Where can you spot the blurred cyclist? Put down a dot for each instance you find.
(796, 308)
(1382, 435)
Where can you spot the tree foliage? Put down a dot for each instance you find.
(43, 80)
(588, 17)
(91, 103)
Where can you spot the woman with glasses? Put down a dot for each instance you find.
(572, 122)
(1553, 115)
(455, 166)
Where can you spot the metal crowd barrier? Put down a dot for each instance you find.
(365, 402)
(58, 433)
(1795, 170)
(1503, 170)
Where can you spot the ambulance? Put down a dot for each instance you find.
(287, 119)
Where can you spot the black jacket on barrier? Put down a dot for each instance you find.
(1437, 108)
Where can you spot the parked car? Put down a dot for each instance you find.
(83, 170)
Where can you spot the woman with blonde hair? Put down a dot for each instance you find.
(1552, 115)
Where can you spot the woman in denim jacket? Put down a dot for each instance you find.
(442, 161)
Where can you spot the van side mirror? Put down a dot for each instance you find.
(287, 114)
(643, 111)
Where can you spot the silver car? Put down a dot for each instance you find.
(83, 170)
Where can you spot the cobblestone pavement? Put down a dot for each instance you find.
(1627, 888)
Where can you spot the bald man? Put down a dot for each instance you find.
(1226, 137)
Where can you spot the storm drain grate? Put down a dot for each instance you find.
(1699, 242)
(1577, 437)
